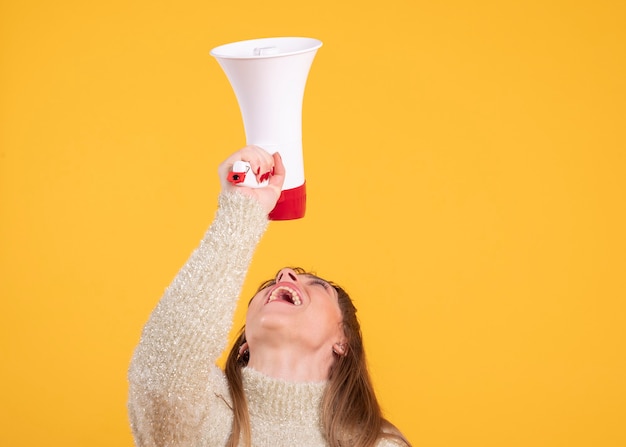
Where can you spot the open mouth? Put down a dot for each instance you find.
(285, 294)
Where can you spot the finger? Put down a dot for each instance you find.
(278, 178)
(260, 161)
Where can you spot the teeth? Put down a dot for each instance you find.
(281, 292)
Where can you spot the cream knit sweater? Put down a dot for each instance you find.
(178, 396)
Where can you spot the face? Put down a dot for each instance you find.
(299, 308)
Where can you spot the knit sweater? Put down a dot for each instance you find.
(177, 394)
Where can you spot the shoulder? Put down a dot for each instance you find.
(217, 387)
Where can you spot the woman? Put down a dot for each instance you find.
(295, 377)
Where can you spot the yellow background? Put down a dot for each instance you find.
(466, 175)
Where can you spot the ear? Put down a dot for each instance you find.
(340, 349)
(242, 349)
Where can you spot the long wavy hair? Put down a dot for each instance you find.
(350, 412)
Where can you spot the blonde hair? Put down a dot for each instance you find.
(350, 412)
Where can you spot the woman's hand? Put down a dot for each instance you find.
(264, 166)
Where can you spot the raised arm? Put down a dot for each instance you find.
(173, 367)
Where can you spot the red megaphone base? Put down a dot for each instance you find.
(291, 204)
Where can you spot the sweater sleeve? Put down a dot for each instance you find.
(174, 363)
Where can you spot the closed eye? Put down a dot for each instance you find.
(320, 282)
(315, 281)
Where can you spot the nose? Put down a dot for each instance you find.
(287, 274)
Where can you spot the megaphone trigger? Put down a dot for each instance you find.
(238, 173)
(236, 177)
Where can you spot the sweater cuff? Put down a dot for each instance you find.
(242, 214)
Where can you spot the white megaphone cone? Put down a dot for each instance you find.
(268, 77)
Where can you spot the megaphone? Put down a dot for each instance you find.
(268, 76)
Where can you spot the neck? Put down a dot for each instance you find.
(291, 363)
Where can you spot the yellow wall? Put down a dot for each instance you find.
(465, 167)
